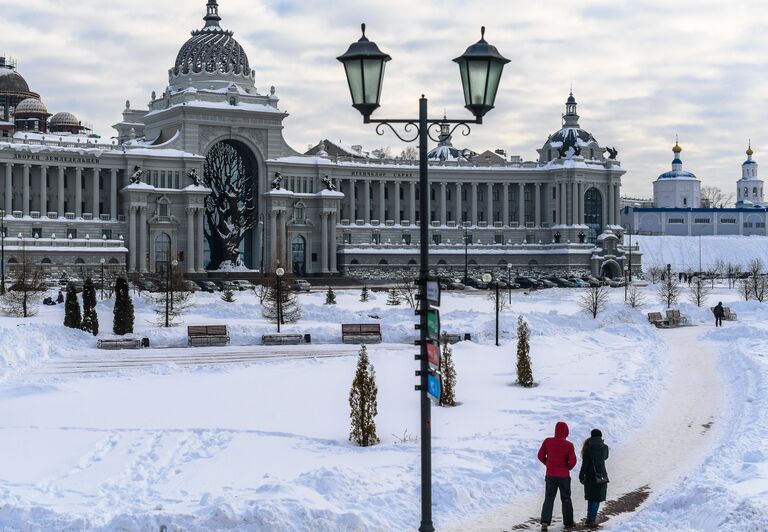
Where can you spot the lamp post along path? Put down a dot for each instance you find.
(480, 67)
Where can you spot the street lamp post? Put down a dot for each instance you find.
(466, 256)
(480, 67)
(279, 273)
(487, 278)
(626, 284)
(629, 229)
(2, 252)
(102, 261)
(509, 281)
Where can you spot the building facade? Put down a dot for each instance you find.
(204, 176)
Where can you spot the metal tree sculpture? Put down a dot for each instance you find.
(231, 208)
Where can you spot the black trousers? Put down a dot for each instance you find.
(718, 321)
(553, 484)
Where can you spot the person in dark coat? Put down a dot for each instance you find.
(559, 456)
(719, 313)
(60, 298)
(594, 453)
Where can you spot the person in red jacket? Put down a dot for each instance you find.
(559, 456)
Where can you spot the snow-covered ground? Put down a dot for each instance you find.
(682, 252)
(263, 445)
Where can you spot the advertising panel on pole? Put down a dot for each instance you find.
(433, 293)
(433, 324)
(434, 386)
(433, 354)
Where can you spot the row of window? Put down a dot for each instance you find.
(37, 232)
(709, 220)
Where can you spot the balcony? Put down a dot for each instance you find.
(53, 215)
(34, 214)
(87, 216)
(104, 217)
(69, 215)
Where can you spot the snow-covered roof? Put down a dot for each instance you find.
(202, 104)
(571, 136)
(449, 153)
(677, 174)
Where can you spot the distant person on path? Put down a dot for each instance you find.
(559, 456)
(60, 298)
(593, 475)
(719, 313)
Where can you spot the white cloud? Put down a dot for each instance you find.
(642, 70)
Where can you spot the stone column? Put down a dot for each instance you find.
(489, 205)
(537, 204)
(521, 204)
(382, 202)
(272, 241)
(443, 210)
(474, 204)
(142, 239)
(95, 194)
(582, 191)
(25, 191)
(190, 258)
(396, 192)
(606, 220)
(352, 213)
(78, 193)
(324, 242)
(616, 203)
(575, 202)
(113, 196)
(412, 200)
(563, 204)
(132, 239)
(367, 201)
(334, 221)
(60, 200)
(200, 238)
(505, 204)
(8, 189)
(459, 209)
(43, 190)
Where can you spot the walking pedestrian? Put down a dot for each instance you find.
(60, 298)
(719, 313)
(593, 475)
(559, 456)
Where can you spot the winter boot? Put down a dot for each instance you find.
(544, 527)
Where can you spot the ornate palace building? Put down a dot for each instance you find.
(204, 176)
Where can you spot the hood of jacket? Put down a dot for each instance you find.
(561, 430)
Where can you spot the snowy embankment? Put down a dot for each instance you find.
(682, 252)
(729, 491)
(264, 446)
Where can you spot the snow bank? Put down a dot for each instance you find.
(682, 252)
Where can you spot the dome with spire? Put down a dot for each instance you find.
(677, 171)
(750, 153)
(212, 51)
(571, 138)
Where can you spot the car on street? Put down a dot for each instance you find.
(526, 282)
(546, 283)
(579, 282)
(300, 285)
(227, 285)
(190, 286)
(207, 286)
(242, 284)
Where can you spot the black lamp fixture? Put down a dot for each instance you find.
(481, 67)
(364, 65)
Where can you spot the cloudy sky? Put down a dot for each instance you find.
(642, 70)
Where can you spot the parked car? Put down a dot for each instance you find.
(243, 284)
(300, 285)
(456, 285)
(592, 281)
(546, 283)
(226, 285)
(579, 283)
(207, 286)
(145, 285)
(526, 282)
(189, 286)
(613, 283)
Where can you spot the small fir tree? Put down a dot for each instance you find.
(123, 314)
(393, 299)
(72, 316)
(448, 388)
(524, 371)
(228, 295)
(288, 309)
(330, 297)
(364, 294)
(363, 403)
(90, 317)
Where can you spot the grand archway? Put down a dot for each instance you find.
(593, 212)
(231, 171)
(299, 255)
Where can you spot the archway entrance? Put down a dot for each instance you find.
(593, 212)
(299, 255)
(610, 269)
(162, 252)
(231, 171)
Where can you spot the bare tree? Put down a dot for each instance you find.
(715, 270)
(669, 291)
(503, 301)
(26, 287)
(230, 210)
(655, 272)
(382, 153)
(410, 153)
(635, 297)
(407, 290)
(171, 299)
(733, 270)
(745, 288)
(715, 198)
(593, 300)
(757, 280)
(698, 291)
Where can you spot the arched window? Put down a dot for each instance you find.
(162, 251)
(412, 262)
(533, 262)
(383, 262)
(754, 192)
(13, 260)
(113, 261)
(441, 262)
(354, 261)
(473, 262)
(593, 210)
(503, 263)
(298, 212)
(45, 261)
(299, 254)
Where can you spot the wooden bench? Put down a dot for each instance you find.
(656, 319)
(282, 339)
(361, 333)
(454, 338)
(676, 319)
(728, 314)
(206, 335)
(119, 343)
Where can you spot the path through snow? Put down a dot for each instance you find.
(683, 427)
